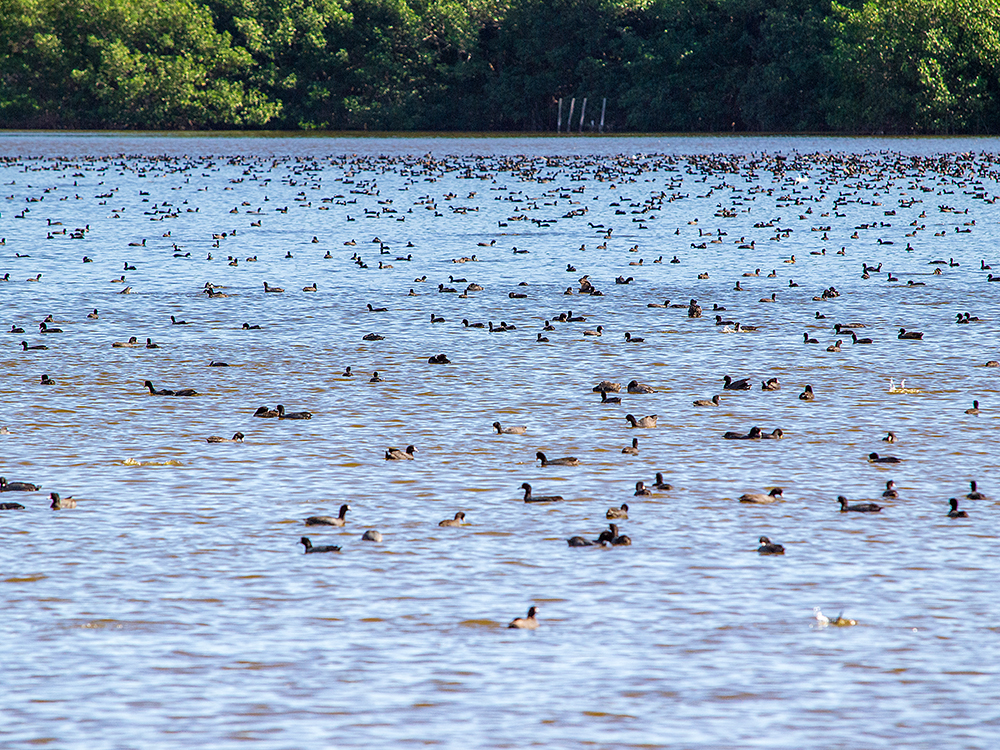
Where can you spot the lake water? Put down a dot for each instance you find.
(174, 607)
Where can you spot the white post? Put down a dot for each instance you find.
(583, 110)
(604, 103)
(569, 120)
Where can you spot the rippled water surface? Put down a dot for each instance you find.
(174, 606)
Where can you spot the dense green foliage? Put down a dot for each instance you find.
(892, 66)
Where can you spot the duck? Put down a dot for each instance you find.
(955, 512)
(641, 489)
(617, 540)
(526, 623)
(754, 434)
(167, 392)
(377, 309)
(632, 450)
(874, 458)
(807, 394)
(839, 621)
(648, 421)
(890, 490)
(660, 484)
(61, 503)
(292, 414)
(372, 535)
(757, 498)
(46, 380)
(437, 319)
(736, 385)
(131, 343)
(856, 340)
(458, 520)
(633, 339)
(264, 413)
(518, 430)
(248, 327)
(771, 384)
(776, 434)
(599, 331)
(607, 385)
(606, 399)
(859, 508)
(529, 498)
(395, 454)
(15, 329)
(43, 327)
(372, 337)
(767, 547)
(175, 322)
(150, 344)
(237, 438)
(714, 401)
(438, 359)
(974, 409)
(835, 347)
(6, 486)
(375, 378)
(807, 340)
(975, 494)
(621, 512)
(890, 437)
(579, 541)
(310, 288)
(272, 289)
(34, 347)
(567, 461)
(11, 506)
(467, 324)
(909, 335)
(310, 549)
(634, 386)
(339, 520)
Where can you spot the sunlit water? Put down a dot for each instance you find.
(174, 606)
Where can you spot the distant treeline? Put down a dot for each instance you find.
(891, 66)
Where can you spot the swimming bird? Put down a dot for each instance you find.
(58, 503)
(890, 489)
(736, 385)
(15, 329)
(634, 386)
(660, 484)
(46, 380)
(567, 461)
(835, 347)
(529, 498)
(621, 512)
(174, 321)
(607, 385)
(767, 547)
(375, 378)
(11, 506)
(975, 494)
(339, 520)
(237, 438)
(618, 540)
(438, 359)
(633, 339)
(310, 288)
(132, 343)
(912, 335)
(754, 434)
(264, 413)
(874, 458)
(633, 449)
(955, 512)
(974, 409)
(6, 486)
(859, 508)
(272, 289)
(807, 340)
(641, 489)
(890, 437)
(395, 454)
(167, 392)
(856, 340)
(519, 430)
(606, 399)
(150, 344)
(526, 623)
(458, 520)
(310, 549)
(372, 337)
(807, 394)
(579, 541)
(248, 327)
(771, 384)
(714, 401)
(757, 498)
(648, 421)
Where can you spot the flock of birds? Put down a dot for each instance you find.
(845, 178)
